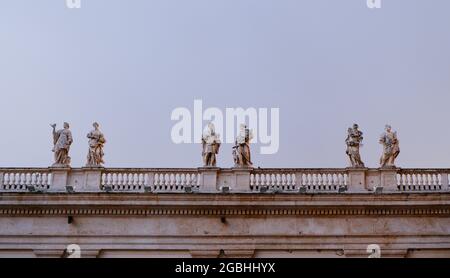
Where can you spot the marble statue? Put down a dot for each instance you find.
(96, 143)
(241, 150)
(391, 147)
(62, 139)
(211, 144)
(353, 141)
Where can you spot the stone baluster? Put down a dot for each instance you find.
(150, 182)
(299, 180)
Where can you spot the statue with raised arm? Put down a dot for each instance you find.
(391, 147)
(235, 154)
(62, 139)
(353, 142)
(241, 150)
(211, 144)
(96, 142)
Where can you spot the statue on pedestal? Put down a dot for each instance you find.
(353, 141)
(62, 139)
(96, 142)
(391, 148)
(241, 150)
(211, 144)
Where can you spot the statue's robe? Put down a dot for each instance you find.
(96, 141)
(63, 139)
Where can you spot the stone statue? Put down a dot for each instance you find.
(353, 141)
(391, 147)
(211, 145)
(96, 143)
(241, 150)
(235, 154)
(62, 139)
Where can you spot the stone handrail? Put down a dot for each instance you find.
(224, 180)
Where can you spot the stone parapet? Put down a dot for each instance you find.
(224, 180)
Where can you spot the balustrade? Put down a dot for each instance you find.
(17, 180)
(191, 180)
(313, 180)
(411, 180)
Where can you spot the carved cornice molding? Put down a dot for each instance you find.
(103, 204)
(443, 211)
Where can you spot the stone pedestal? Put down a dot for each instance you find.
(388, 179)
(60, 178)
(444, 181)
(241, 180)
(92, 179)
(357, 180)
(208, 183)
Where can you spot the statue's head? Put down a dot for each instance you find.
(355, 126)
(388, 128)
(95, 125)
(66, 125)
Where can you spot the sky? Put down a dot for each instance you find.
(325, 64)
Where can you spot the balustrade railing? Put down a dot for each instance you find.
(273, 180)
(176, 180)
(124, 180)
(156, 180)
(181, 180)
(412, 180)
(312, 180)
(22, 180)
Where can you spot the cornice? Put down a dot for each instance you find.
(224, 205)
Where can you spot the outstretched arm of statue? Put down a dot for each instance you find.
(55, 134)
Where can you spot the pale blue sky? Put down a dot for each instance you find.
(127, 64)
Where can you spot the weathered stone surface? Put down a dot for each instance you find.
(409, 218)
(255, 225)
(62, 140)
(241, 150)
(391, 147)
(353, 142)
(211, 145)
(96, 142)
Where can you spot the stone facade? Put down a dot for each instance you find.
(264, 213)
